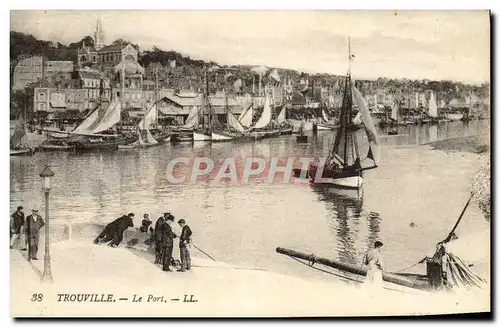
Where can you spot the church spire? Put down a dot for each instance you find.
(98, 35)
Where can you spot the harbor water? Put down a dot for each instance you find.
(410, 202)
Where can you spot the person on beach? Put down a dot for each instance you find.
(375, 265)
(34, 223)
(184, 244)
(108, 233)
(167, 242)
(157, 238)
(17, 229)
(146, 222)
(120, 229)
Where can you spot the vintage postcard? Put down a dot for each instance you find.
(249, 163)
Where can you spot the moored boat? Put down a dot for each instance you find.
(21, 152)
(201, 137)
(343, 165)
(221, 137)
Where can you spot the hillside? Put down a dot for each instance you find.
(22, 45)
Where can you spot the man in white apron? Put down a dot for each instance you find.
(375, 266)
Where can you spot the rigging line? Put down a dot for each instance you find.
(343, 277)
(408, 267)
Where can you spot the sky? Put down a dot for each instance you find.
(437, 45)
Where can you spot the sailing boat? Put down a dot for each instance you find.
(258, 130)
(232, 122)
(206, 135)
(18, 144)
(343, 165)
(395, 119)
(326, 126)
(433, 109)
(144, 125)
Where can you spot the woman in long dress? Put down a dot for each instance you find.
(375, 265)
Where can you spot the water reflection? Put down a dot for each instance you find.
(347, 219)
(99, 187)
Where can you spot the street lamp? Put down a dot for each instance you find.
(46, 176)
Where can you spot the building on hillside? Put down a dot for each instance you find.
(32, 69)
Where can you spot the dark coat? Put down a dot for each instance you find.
(17, 222)
(33, 228)
(185, 237)
(167, 236)
(118, 226)
(158, 228)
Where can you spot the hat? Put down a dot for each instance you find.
(131, 214)
(34, 210)
(181, 221)
(170, 217)
(20, 208)
(166, 214)
(378, 244)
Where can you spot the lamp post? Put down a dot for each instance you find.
(46, 176)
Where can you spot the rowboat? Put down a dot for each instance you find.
(21, 152)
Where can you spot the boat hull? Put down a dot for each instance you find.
(221, 137)
(454, 116)
(326, 127)
(200, 137)
(352, 182)
(52, 147)
(21, 152)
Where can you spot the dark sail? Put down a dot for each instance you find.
(343, 138)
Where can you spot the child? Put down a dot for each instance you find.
(146, 222)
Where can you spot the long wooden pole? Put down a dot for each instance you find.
(354, 269)
(459, 219)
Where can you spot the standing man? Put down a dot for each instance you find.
(157, 238)
(17, 229)
(184, 244)
(167, 242)
(34, 223)
(373, 259)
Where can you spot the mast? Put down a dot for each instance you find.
(227, 110)
(123, 79)
(156, 96)
(206, 101)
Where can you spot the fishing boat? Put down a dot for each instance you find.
(19, 145)
(261, 128)
(56, 146)
(433, 109)
(326, 125)
(449, 266)
(143, 127)
(456, 115)
(95, 131)
(343, 165)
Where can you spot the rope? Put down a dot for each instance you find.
(344, 278)
(413, 265)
